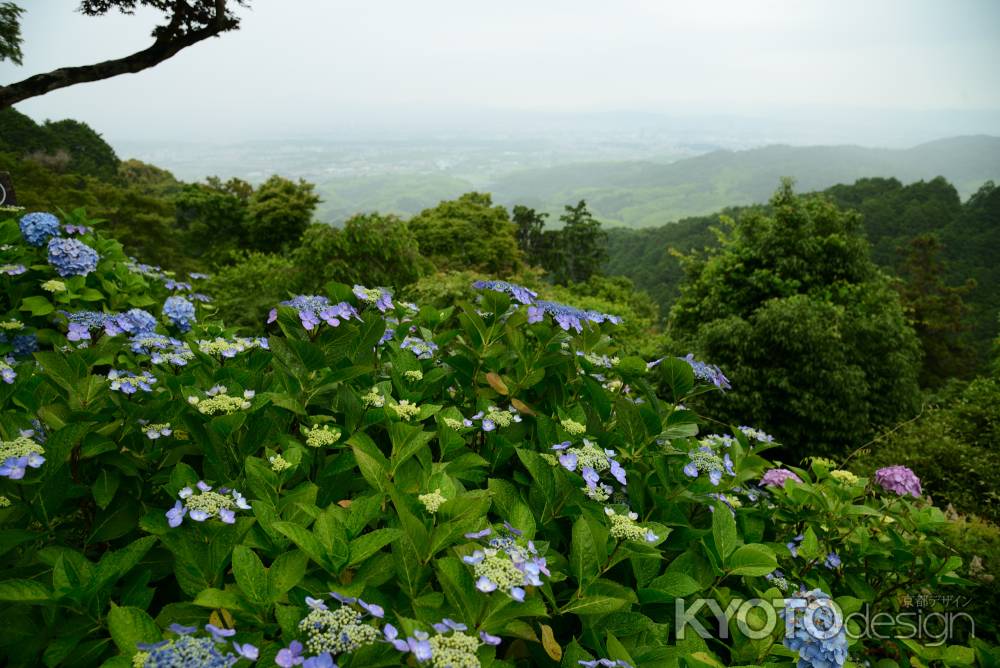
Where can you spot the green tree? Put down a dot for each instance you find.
(371, 249)
(584, 245)
(810, 332)
(10, 32)
(469, 233)
(243, 292)
(212, 221)
(937, 311)
(530, 225)
(278, 212)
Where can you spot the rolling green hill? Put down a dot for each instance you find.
(642, 194)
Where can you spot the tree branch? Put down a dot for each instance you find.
(170, 41)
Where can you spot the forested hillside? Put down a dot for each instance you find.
(642, 194)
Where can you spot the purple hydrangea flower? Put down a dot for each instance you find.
(290, 656)
(898, 479)
(568, 317)
(707, 372)
(777, 478)
(518, 292)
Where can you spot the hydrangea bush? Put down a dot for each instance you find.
(370, 483)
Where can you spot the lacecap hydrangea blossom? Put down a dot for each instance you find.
(591, 461)
(180, 312)
(625, 527)
(206, 504)
(313, 310)
(518, 292)
(331, 631)
(704, 459)
(38, 227)
(7, 373)
(707, 372)
(450, 647)
(17, 456)
(898, 479)
(127, 382)
(507, 562)
(380, 298)
(190, 651)
(568, 317)
(71, 257)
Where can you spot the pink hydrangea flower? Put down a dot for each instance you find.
(777, 478)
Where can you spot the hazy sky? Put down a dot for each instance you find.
(302, 66)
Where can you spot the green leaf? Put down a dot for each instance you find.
(286, 572)
(676, 584)
(24, 591)
(368, 544)
(724, 531)
(250, 575)
(105, 486)
(129, 626)
(303, 539)
(752, 560)
(583, 559)
(677, 376)
(594, 605)
(37, 305)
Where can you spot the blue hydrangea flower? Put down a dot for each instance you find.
(424, 350)
(127, 382)
(815, 629)
(506, 563)
(133, 321)
(13, 269)
(206, 504)
(189, 651)
(71, 257)
(707, 372)
(756, 434)
(605, 663)
(568, 317)
(77, 229)
(177, 286)
(39, 227)
(161, 348)
(832, 561)
(518, 292)
(180, 312)
(705, 460)
(314, 309)
(380, 298)
(24, 345)
(7, 373)
(19, 455)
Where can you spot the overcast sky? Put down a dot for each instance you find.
(302, 66)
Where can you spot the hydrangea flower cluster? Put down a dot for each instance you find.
(189, 651)
(846, 477)
(814, 629)
(605, 663)
(404, 410)
(19, 455)
(494, 417)
(278, 463)
(157, 430)
(314, 309)
(72, 257)
(573, 427)
(24, 345)
(898, 479)
(414, 375)
(38, 227)
(568, 317)
(756, 434)
(180, 312)
(777, 477)
(331, 632)
(518, 292)
(177, 286)
(54, 286)
(77, 229)
(228, 349)
(377, 297)
(127, 382)
(625, 527)
(219, 401)
(321, 436)
(507, 562)
(832, 561)
(432, 500)
(599, 360)
(373, 399)
(206, 504)
(134, 321)
(777, 578)
(7, 373)
(704, 459)
(591, 461)
(707, 372)
(451, 647)
(162, 348)
(424, 350)
(11, 324)
(13, 269)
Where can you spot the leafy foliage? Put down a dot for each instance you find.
(251, 477)
(807, 327)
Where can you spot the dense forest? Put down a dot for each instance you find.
(856, 325)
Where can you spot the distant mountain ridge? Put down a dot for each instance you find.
(642, 194)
